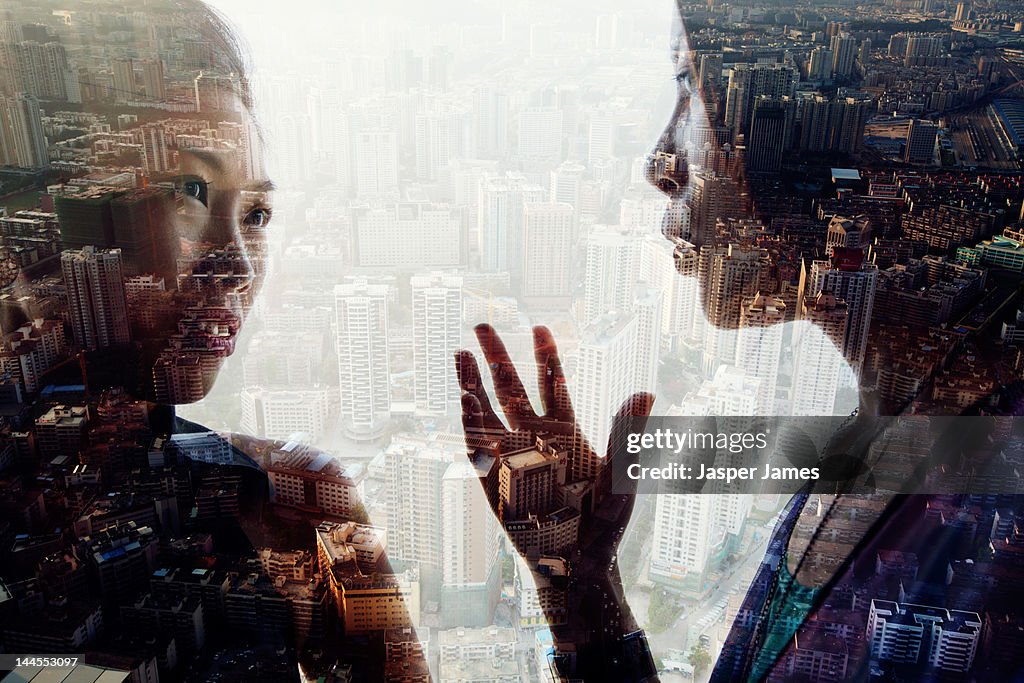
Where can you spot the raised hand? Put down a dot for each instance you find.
(598, 616)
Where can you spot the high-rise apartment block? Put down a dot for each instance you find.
(501, 208)
(844, 54)
(547, 252)
(759, 347)
(22, 140)
(848, 278)
(920, 142)
(361, 319)
(437, 335)
(99, 309)
(818, 354)
(771, 133)
(930, 637)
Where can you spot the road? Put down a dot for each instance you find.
(677, 637)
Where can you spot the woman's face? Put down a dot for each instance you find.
(191, 242)
(689, 113)
(216, 235)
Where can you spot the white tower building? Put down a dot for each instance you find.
(547, 251)
(818, 358)
(501, 205)
(437, 335)
(364, 373)
(759, 346)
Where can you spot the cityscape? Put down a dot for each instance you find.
(315, 343)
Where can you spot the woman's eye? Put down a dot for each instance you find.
(257, 218)
(197, 189)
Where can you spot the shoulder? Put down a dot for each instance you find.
(199, 444)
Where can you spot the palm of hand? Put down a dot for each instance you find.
(597, 545)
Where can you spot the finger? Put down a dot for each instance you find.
(550, 378)
(507, 386)
(630, 419)
(474, 421)
(470, 382)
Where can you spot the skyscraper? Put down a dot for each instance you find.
(747, 82)
(331, 135)
(441, 523)
(771, 131)
(818, 357)
(694, 530)
(683, 540)
(96, 299)
(613, 261)
(501, 203)
(759, 346)
(439, 135)
(848, 119)
(844, 54)
(36, 69)
(920, 145)
(547, 252)
(833, 125)
(605, 377)
(710, 73)
(437, 335)
(124, 79)
(923, 48)
(295, 162)
(727, 275)
(715, 197)
(648, 305)
(671, 266)
(215, 93)
(491, 118)
(153, 79)
(566, 182)
(848, 278)
(376, 171)
(155, 157)
(22, 141)
(364, 370)
(600, 137)
(819, 67)
(471, 540)
(414, 469)
(540, 136)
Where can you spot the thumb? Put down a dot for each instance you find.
(631, 418)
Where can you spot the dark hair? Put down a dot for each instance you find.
(228, 52)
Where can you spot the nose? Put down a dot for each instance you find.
(668, 169)
(667, 166)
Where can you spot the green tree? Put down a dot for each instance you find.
(662, 611)
(359, 514)
(700, 659)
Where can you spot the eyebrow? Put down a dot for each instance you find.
(208, 157)
(262, 186)
(216, 162)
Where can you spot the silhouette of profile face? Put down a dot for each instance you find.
(669, 164)
(701, 163)
(157, 204)
(704, 180)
